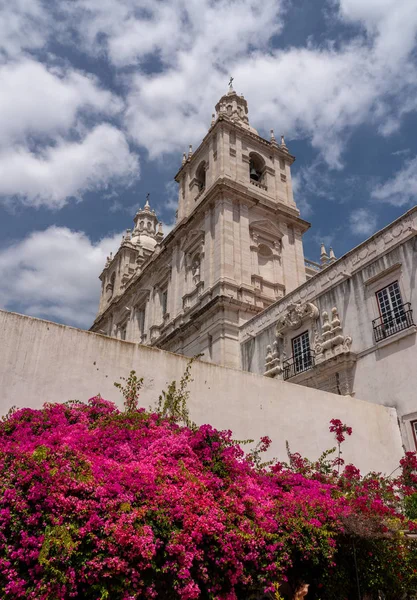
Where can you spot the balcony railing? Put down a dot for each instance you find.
(393, 322)
(298, 364)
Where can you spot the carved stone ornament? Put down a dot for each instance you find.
(273, 365)
(294, 316)
(331, 342)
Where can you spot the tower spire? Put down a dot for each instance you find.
(324, 259)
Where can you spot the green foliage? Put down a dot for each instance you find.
(130, 391)
(173, 402)
(410, 503)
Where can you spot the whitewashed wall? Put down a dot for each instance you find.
(45, 362)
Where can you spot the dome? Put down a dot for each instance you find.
(142, 239)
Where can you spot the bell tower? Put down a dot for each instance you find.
(235, 196)
(236, 247)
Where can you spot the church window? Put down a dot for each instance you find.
(164, 302)
(301, 353)
(414, 430)
(122, 330)
(140, 317)
(256, 167)
(394, 314)
(201, 176)
(149, 226)
(110, 286)
(142, 224)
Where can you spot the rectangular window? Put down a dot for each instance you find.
(164, 302)
(301, 352)
(140, 316)
(414, 428)
(123, 329)
(390, 303)
(394, 314)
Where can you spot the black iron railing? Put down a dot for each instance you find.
(298, 364)
(392, 322)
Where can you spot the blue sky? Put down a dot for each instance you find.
(99, 98)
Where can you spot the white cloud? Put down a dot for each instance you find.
(41, 101)
(362, 222)
(50, 149)
(401, 189)
(131, 30)
(54, 274)
(52, 176)
(23, 25)
(316, 92)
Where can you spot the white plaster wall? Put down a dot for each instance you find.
(45, 362)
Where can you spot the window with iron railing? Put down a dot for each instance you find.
(302, 358)
(394, 314)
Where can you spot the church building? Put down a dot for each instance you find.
(236, 247)
(230, 281)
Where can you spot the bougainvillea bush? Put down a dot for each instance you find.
(97, 503)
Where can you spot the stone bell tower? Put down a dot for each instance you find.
(236, 247)
(235, 197)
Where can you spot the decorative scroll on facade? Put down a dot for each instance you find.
(331, 365)
(294, 316)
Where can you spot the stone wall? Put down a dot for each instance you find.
(45, 362)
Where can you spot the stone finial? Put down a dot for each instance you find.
(283, 144)
(147, 205)
(184, 158)
(273, 364)
(324, 259)
(273, 140)
(213, 118)
(190, 151)
(332, 341)
(332, 256)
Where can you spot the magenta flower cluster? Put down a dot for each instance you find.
(100, 504)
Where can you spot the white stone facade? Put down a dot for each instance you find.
(356, 345)
(236, 247)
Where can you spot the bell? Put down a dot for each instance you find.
(253, 174)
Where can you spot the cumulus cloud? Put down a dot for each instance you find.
(319, 92)
(23, 25)
(41, 101)
(53, 274)
(57, 141)
(68, 169)
(401, 190)
(363, 222)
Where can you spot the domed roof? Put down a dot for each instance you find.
(143, 239)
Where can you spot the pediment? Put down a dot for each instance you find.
(263, 226)
(193, 239)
